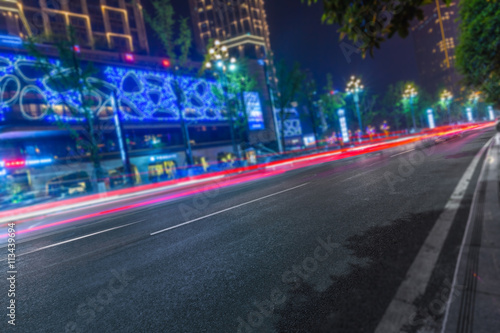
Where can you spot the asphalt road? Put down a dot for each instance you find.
(319, 249)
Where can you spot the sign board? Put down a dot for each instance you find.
(343, 125)
(430, 118)
(254, 111)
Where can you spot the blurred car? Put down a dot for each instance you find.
(117, 176)
(70, 184)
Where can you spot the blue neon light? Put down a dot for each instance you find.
(142, 95)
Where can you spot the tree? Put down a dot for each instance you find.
(177, 45)
(230, 95)
(310, 98)
(394, 106)
(369, 23)
(331, 101)
(478, 51)
(76, 87)
(240, 82)
(368, 104)
(289, 81)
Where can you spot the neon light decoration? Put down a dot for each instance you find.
(141, 95)
(292, 125)
(470, 119)
(430, 119)
(15, 164)
(343, 125)
(491, 113)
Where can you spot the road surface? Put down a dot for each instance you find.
(318, 249)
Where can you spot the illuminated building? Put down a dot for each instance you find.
(33, 144)
(241, 26)
(101, 24)
(37, 150)
(435, 40)
(242, 23)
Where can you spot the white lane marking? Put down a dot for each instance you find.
(225, 210)
(464, 239)
(78, 238)
(36, 224)
(359, 175)
(406, 151)
(401, 308)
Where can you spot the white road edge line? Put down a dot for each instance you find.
(406, 151)
(225, 210)
(464, 239)
(401, 308)
(78, 238)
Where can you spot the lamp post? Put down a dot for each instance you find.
(354, 87)
(446, 98)
(410, 93)
(220, 62)
(473, 99)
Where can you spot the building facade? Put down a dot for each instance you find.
(37, 152)
(99, 24)
(241, 26)
(435, 40)
(244, 22)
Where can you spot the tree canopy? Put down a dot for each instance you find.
(478, 53)
(369, 23)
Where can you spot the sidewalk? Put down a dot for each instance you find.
(474, 304)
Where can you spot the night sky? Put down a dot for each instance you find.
(297, 34)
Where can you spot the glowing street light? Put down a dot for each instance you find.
(354, 87)
(446, 98)
(410, 93)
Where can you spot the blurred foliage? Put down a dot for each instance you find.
(177, 44)
(235, 84)
(289, 81)
(309, 96)
(370, 23)
(396, 109)
(478, 51)
(331, 100)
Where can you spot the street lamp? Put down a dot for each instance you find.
(473, 99)
(410, 93)
(220, 62)
(446, 98)
(354, 87)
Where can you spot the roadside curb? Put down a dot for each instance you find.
(475, 293)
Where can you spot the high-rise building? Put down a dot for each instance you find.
(240, 24)
(435, 40)
(101, 24)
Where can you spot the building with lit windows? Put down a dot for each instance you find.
(39, 156)
(241, 26)
(243, 23)
(435, 39)
(102, 24)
